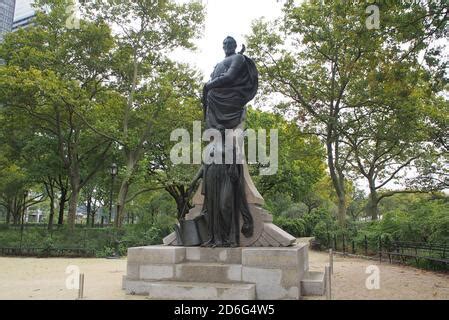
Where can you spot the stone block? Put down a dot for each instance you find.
(273, 284)
(157, 272)
(132, 270)
(273, 258)
(201, 291)
(156, 255)
(222, 255)
(136, 287)
(209, 272)
(313, 284)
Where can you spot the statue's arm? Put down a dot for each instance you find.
(229, 76)
(198, 176)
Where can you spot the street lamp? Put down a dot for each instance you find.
(113, 172)
(25, 194)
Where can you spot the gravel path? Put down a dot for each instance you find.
(31, 278)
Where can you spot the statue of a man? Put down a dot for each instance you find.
(233, 84)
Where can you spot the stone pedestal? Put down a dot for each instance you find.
(170, 272)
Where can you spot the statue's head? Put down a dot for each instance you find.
(229, 45)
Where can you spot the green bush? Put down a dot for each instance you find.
(293, 226)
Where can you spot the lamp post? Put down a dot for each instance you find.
(25, 194)
(113, 171)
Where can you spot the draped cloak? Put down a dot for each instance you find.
(225, 104)
(223, 184)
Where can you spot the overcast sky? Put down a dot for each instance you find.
(223, 18)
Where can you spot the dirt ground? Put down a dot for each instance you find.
(31, 278)
(396, 282)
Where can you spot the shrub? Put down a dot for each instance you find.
(293, 226)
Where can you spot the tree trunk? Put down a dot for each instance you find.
(49, 187)
(132, 158)
(71, 217)
(88, 210)
(62, 201)
(8, 215)
(372, 208)
(52, 213)
(337, 178)
(121, 202)
(16, 212)
(92, 223)
(75, 186)
(342, 211)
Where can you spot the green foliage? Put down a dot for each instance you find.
(300, 157)
(296, 227)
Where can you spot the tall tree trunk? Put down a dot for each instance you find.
(73, 202)
(372, 208)
(52, 213)
(338, 182)
(8, 215)
(62, 201)
(132, 158)
(49, 186)
(88, 209)
(16, 211)
(121, 202)
(92, 223)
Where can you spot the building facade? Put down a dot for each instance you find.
(6, 16)
(24, 14)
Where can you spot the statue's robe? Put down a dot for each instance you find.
(225, 201)
(235, 83)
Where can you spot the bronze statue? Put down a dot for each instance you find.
(233, 83)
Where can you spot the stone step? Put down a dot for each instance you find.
(176, 290)
(193, 271)
(313, 283)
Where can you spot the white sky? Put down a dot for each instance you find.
(23, 9)
(223, 18)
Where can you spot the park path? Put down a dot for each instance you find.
(31, 278)
(396, 282)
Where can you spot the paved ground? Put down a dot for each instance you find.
(31, 278)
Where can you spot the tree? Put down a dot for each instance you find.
(300, 157)
(148, 31)
(321, 58)
(310, 60)
(53, 75)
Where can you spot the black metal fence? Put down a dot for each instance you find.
(47, 252)
(37, 240)
(421, 254)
